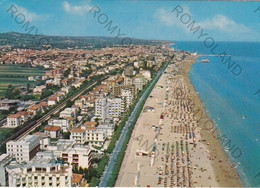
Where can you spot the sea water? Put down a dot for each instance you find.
(231, 101)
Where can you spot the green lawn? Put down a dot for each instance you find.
(17, 75)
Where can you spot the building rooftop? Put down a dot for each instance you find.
(52, 128)
(77, 130)
(90, 123)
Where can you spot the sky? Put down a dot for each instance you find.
(222, 21)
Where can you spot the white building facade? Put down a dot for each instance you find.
(39, 173)
(106, 108)
(24, 149)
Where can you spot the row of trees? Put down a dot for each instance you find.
(121, 154)
(16, 93)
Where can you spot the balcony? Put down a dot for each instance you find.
(64, 155)
(75, 156)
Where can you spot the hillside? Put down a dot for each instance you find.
(20, 40)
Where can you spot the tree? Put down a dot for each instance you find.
(69, 103)
(28, 86)
(9, 91)
(28, 97)
(46, 93)
(66, 135)
(67, 72)
(80, 170)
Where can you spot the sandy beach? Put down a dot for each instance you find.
(169, 147)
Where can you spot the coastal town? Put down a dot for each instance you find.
(129, 93)
(65, 134)
(114, 116)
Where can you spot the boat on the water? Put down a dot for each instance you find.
(205, 61)
(244, 117)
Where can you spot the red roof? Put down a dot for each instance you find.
(77, 130)
(43, 104)
(90, 123)
(53, 128)
(52, 98)
(18, 114)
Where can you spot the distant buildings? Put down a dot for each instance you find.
(54, 99)
(145, 73)
(53, 131)
(68, 112)
(139, 81)
(37, 107)
(128, 81)
(129, 71)
(53, 73)
(64, 123)
(25, 148)
(39, 89)
(117, 90)
(17, 119)
(14, 120)
(110, 100)
(127, 96)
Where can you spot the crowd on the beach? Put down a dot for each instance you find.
(176, 156)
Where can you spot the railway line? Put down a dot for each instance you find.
(30, 127)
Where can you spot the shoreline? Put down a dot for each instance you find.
(223, 171)
(195, 163)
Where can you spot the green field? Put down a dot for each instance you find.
(17, 75)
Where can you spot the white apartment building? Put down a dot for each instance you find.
(71, 153)
(127, 96)
(14, 120)
(106, 108)
(128, 81)
(79, 156)
(94, 136)
(25, 148)
(17, 119)
(98, 135)
(106, 128)
(101, 108)
(78, 135)
(44, 140)
(40, 172)
(146, 74)
(116, 107)
(68, 112)
(63, 123)
(139, 82)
